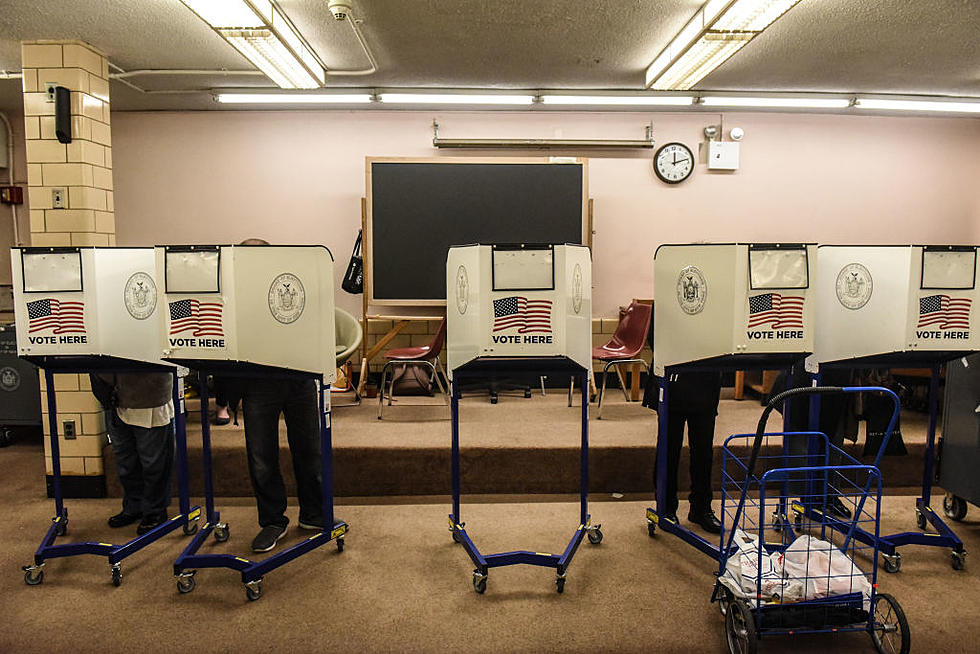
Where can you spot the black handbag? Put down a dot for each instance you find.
(354, 277)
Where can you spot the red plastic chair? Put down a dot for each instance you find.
(625, 346)
(422, 355)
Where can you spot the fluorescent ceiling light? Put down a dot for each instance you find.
(264, 36)
(453, 98)
(294, 98)
(718, 30)
(807, 103)
(636, 100)
(918, 105)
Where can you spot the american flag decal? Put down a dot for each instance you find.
(63, 317)
(529, 316)
(199, 318)
(944, 312)
(776, 310)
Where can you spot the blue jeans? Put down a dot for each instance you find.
(144, 462)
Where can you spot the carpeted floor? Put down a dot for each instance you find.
(401, 585)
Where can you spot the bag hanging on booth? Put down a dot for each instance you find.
(354, 277)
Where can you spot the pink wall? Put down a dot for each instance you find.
(297, 177)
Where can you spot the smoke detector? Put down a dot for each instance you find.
(340, 9)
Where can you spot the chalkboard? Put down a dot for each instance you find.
(417, 210)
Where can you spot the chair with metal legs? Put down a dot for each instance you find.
(623, 348)
(349, 336)
(423, 355)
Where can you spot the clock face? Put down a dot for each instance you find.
(673, 163)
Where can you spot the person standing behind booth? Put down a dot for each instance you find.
(264, 399)
(140, 417)
(692, 399)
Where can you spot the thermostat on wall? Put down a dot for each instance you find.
(722, 155)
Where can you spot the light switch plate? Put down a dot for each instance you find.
(59, 198)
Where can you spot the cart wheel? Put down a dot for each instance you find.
(253, 590)
(595, 536)
(890, 633)
(340, 544)
(725, 598)
(959, 560)
(740, 629)
(221, 533)
(479, 582)
(33, 576)
(954, 507)
(560, 583)
(62, 528)
(920, 520)
(185, 583)
(651, 528)
(456, 538)
(116, 575)
(892, 563)
(190, 528)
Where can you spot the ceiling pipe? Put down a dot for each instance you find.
(347, 16)
(144, 71)
(8, 75)
(10, 173)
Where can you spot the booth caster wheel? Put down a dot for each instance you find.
(651, 528)
(595, 535)
(920, 520)
(33, 575)
(560, 583)
(62, 528)
(340, 544)
(954, 507)
(221, 533)
(892, 562)
(253, 590)
(190, 528)
(116, 571)
(959, 560)
(527, 393)
(479, 582)
(185, 583)
(890, 633)
(6, 437)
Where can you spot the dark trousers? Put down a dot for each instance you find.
(144, 461)
(264, 401)
(700, 438)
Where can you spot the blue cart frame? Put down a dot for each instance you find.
(189, 561)
(115, 554)
(560, 562)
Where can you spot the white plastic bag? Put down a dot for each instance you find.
(822, 569)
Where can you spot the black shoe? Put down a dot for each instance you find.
(707, 520)
(150, 522)
(267, 538)
(311, 525)
(123, 519)
(839, 509)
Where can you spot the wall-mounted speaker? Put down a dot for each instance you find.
(62, 114)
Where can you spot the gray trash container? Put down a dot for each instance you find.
(20, 394)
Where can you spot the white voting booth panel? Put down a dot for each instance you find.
(883, 300)
(261, 305)
(90, 301)
(731, 300)
(518, 301)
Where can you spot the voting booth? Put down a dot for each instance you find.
(249, 307)
(907, 303)
(732, 305)
(97, 304)
(264, 313)
(899, 306)
(92, 309)
(519, 309)
(520, 301)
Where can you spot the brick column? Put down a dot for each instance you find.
(83, 170)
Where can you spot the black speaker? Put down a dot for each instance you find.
(62, 114)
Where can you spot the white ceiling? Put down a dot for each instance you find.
(872, 46)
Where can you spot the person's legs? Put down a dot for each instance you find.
(156, 454)
(303, 431)
(262, 407)
(700, 437)
(128, 467)
(675, 440)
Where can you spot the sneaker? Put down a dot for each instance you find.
(267, 538)
(123, 519)
(707, 520)
(150, 522)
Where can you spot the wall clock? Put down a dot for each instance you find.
(673, 163)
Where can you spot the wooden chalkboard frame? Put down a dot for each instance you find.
(368, 216)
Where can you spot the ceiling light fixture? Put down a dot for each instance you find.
(264, 36)
(718, 30)
(293, 98)
(454, 98)
(760, 102)
(623, 100)
(918, 105)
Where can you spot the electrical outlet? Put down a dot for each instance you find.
(59, 198)
(49, 88)
(68, 429)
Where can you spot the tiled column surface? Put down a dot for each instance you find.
(83, 169)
